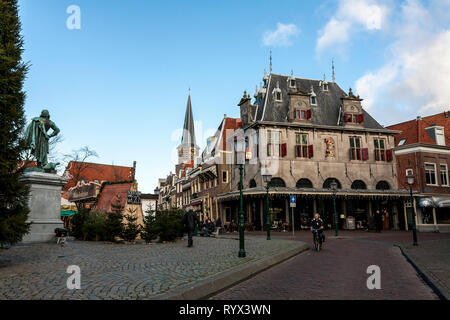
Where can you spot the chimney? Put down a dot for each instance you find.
(134, 170)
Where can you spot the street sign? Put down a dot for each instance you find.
(293, 201)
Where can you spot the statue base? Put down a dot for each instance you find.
(45, 205)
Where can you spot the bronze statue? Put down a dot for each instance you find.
(38, 140)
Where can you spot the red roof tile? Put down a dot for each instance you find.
(414, 130)
(111, 193)
(96, 171)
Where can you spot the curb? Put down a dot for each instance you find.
(424, 275)
(208, 287)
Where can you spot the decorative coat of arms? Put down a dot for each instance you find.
(329, 147)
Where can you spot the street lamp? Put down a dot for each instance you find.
(267, 178)
(334, 186)
(410, 182)
(240, 148)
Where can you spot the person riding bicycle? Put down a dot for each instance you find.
(318, 225)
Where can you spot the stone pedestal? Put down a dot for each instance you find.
(44, 204)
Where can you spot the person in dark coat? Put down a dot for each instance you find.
(190, 219)
(378, 220)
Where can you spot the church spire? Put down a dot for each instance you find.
(188, 138)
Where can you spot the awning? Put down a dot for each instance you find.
(426, 202)
(68, 213)
(442, 202)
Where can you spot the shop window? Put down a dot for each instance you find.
(430, 173)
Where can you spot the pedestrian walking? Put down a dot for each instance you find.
(378, 220)
(190, 220)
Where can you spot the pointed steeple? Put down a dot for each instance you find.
(188, 138)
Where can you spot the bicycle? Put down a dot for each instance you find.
(317, 240)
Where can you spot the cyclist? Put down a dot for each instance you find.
(317, 224)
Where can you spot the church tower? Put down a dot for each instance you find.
(188, 151)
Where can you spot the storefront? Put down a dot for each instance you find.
(356, 206)
(433, 214)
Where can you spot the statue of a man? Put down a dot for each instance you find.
(38, 139)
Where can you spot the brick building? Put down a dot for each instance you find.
(307, 133)
(422, 148)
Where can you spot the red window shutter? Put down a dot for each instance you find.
(348, 117)
(389, 155)
(310, 151)
(308, 114)
(365, 154)
(283, 150)
(360, 118)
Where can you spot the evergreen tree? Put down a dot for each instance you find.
(114, 224)
(131, 229)
(13, 193)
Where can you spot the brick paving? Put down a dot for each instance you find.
(339, 271)
(119, 271)
(433, 257)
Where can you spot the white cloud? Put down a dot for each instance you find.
(415, 79)
(351, 14)
(281, 37)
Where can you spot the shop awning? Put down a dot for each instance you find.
(442, 202)
(426, 202)
(68, 213)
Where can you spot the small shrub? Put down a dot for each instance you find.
(94, 227)
(166, 225)
(131, 228)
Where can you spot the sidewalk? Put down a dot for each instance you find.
(433, 259)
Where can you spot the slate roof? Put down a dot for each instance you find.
(414, 130)
(326, 112)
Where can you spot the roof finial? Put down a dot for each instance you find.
(271, 61)
(189, 90)
(292, 72)
(332, 67)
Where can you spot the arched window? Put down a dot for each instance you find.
(252, 183)
(358, 185)
(383, 185)
(304, 183)
(327, 183)
(277, 182)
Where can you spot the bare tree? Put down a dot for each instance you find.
(77, 162)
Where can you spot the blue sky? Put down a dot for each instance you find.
(119, 84)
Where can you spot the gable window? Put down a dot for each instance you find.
(273, 143)
(380, 150)
(355, 148)
(430, 173)
(444, 174)
(301, 145)
(302, 114)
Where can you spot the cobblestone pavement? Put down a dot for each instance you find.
(433, 257)
(339, 271)
(119, 271)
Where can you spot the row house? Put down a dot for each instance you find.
(306, 134)
(422, 149)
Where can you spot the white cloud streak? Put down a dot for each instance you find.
(415, 79)
(351, 15)
(282, 36)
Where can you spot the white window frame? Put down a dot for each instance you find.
(446, 174)
(435, 173)
(272, 140)
(441, 134)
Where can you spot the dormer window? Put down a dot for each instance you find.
(437, 133)
(292, 83)
(313, 96)
(277, 93)
(325, 86)
(313, 101)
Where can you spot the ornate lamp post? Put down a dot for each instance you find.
(242, 254)
(333, 186)
(267, 178)
(410, 182)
